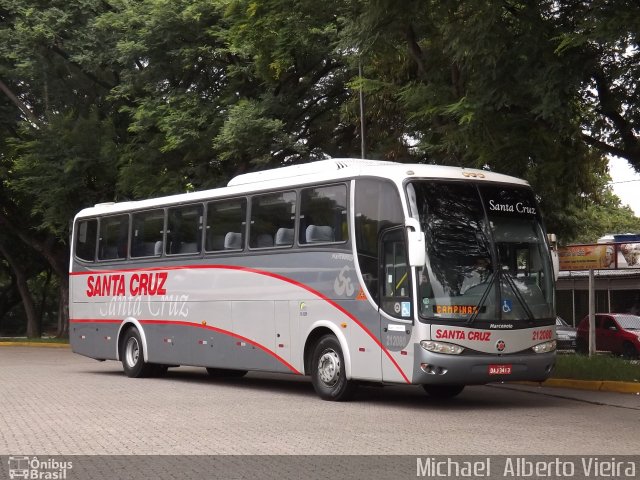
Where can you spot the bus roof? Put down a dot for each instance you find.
(318, 171)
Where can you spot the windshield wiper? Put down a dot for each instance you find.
(485, 294)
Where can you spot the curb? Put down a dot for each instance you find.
(34, 344)
(593, 385)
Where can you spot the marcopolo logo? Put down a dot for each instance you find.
(37, 469)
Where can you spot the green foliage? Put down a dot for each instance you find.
(117, 100)
(598, 367)
(248, 137)
(486, 85)
(70, 163)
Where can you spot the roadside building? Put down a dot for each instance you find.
(615, 260)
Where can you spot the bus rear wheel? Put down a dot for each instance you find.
(328, 374)
(132, 356)
(443, 391)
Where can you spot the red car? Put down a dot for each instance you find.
(615, 332)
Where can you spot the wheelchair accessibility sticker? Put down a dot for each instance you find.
(507, 306)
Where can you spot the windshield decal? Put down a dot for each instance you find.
(518, 207)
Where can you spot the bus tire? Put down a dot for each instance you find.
(328, 374)
(443, 391)
(223, 372)
(132, 356)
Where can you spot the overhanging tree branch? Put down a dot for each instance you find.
(19, 103)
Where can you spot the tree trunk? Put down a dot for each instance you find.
(33, 323)
(63, 309)
(56, 255)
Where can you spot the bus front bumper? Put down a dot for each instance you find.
(478, 369)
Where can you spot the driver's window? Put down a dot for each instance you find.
(395, 275)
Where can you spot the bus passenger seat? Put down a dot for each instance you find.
(109, 253)
(189, 247)
(319, 233)
(215, 242)
(264, 240)
(284, 236)
(233, 241)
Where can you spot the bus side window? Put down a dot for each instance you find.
(226, 222)
(323, 214)
(147, 232)
(184, 230)
(377, 207)
(113, 237)
(272, 220)
(86, 239)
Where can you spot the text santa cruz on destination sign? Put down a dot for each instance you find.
(522, 467)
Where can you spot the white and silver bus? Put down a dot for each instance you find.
(349, 271)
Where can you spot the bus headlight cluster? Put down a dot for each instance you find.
(441, 347)
(545, 347)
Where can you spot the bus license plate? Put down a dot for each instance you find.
(499, 369)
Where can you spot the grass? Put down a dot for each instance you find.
(598, 367)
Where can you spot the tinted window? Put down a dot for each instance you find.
(272, 220)
(86, 235)
(147, 231)
(184, 230)
(323, 214)
(226, 221)
(114, 234)
(487, 256)
(377, 206)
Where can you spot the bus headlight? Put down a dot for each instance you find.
(545, 347)
(441, 347)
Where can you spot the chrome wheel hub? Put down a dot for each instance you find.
(132, 351)
(329, 368)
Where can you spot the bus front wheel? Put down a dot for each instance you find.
(132, 356)
(443, 391)
(328, 373)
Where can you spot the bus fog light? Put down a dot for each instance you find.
(441, 347)
(426, 368)
(545, 347)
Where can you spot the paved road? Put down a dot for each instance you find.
(56, 403)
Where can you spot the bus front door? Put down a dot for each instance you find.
(396, 306)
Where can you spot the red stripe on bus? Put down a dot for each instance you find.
(224, 332)
(197, 325)
(267, 274)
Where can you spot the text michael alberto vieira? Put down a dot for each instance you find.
(525, 467)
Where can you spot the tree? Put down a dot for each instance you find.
(52, 116)
(603, 37)
(485, 85)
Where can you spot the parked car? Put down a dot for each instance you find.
(565, 335)
(615, 332)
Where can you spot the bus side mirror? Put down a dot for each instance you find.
(416, 248)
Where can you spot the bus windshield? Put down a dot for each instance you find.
(487, 259)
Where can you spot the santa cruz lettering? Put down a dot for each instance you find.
(115, 285)
(473, 335)
(506, 207)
